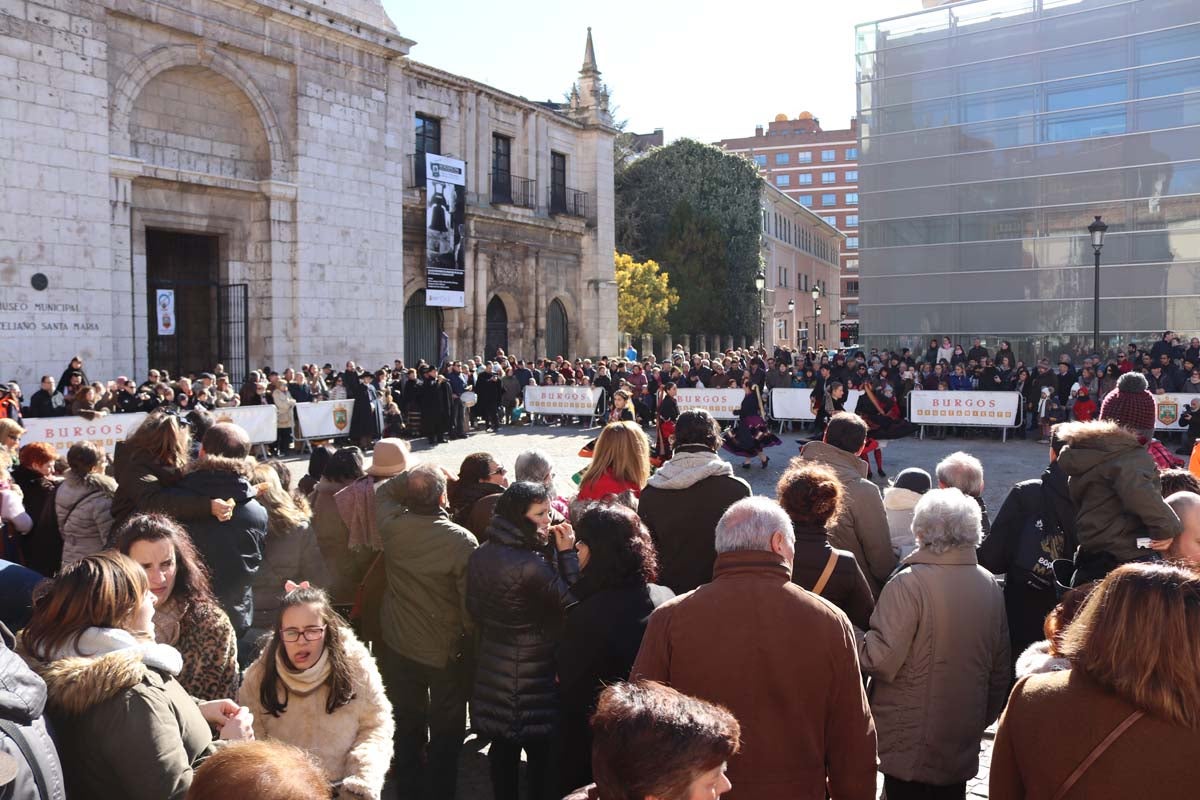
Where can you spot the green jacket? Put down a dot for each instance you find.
(424, 615)
(1116, 490)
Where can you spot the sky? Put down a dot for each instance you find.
(695, 68)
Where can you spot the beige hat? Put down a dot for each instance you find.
(389, 458)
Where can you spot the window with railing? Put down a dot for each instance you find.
(558, 182)
(502, 177)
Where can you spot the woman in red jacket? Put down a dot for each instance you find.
(621, 463)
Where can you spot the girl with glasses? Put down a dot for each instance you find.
(315, 686)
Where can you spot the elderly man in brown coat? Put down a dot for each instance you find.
(863, 526)
(780, 658)
(938, 650)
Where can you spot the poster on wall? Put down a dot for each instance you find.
(445, 250)
(164, 307)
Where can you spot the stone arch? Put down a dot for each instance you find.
(560, 337)
(130, 85)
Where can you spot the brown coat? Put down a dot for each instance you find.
(1053, 721)
(783, 661)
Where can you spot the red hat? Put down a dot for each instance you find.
(1131, 405)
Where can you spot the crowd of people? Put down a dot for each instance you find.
(191, 622)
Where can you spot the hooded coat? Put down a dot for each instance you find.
(22, 703)
(233, 549)
(1116, 490)
(863, 526)
(354, 743)
(125, 730)
(899, 504)
(83, 507)
(681, 506)
(517, 597)
(145, 485)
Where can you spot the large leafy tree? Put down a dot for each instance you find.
(644, 296)
(695, 209)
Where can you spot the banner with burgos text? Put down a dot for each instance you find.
(578, 401)
(987, 409)
(720, 403)
(62, 432)
(325, 420)
(791, 404)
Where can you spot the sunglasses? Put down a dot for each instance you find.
(499, 471)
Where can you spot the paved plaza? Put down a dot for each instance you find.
(1004, 463)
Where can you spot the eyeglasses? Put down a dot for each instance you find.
(499, 471)
(314, 634)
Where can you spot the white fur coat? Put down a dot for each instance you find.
(354, 743)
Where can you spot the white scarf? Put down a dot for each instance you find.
(688, 468)
(101, 641)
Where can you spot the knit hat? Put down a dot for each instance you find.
(1131, 405)
(914, 479)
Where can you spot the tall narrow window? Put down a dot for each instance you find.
(558, 183)
(501, 169)
(429, 140)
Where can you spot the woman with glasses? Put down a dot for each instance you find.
(478, 476)
(315, 686)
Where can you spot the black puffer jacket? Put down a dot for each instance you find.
(517, 598)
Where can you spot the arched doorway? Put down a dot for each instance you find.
(497, 328)
(558, 338)
(422, 326)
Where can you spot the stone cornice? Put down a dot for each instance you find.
(120, 166)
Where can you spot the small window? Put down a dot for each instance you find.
(805, 200)
(558, 183)
(851, 153)
(852, 308)
(829, 199)
(851, 198)
(804, 179)
(783, 180)
(501, 169)
(851, 242)
(851, 288)
(831, 220)
(851, 176)
(804, 157)
(852, 263)
(828, 177)
(429, 135)
(829, 155)
(782, 158)
(760, 160)
(852, 220)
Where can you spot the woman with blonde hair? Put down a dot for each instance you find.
(126, 728)
(147, 466)
(291, 552)
(1124, 720)
(620, 463)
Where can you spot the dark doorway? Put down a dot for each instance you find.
(558, 338)
(422, 327)
(210, 319)
(497, 328)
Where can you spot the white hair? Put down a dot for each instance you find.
(945, 519)
(1183, 504)
(534, 466)
(961, 471)
(749, 524)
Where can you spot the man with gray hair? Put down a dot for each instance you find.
(752, 634)
(1186, 546)
(938, 650)
(964, 472)
(424, 625)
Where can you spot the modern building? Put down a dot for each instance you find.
(993, 132)
(256, 159)
(818, 169)
(800, 253)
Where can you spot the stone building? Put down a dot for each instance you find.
(251, 157)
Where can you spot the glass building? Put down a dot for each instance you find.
(993, 131)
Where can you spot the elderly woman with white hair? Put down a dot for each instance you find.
(533, 466)
(964, 472)
(938, 651)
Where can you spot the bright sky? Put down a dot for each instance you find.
(699, 68)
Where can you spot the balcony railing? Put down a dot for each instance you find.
(513, 190)
(568, 201)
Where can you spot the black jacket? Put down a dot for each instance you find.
(434, 400)
(517, 597)
(47, 404)
(144, 485)
(847, 587)
(233, 550)
(600, 642)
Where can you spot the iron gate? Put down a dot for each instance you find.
(202, 339)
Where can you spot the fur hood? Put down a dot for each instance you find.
(1037, 659)
(242, 467)
(1089, 444)
(76, 684)
(897, 499)
(688, 467)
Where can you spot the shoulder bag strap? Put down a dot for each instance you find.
(1074, 777)
(824, 579)
(14, 732)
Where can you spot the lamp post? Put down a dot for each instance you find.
(817, 320)
(1096, 229)
(791, 307)
(760, 284)
(816, 295)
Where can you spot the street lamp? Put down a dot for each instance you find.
(816, 320)
(760, 283)
(1097, 229)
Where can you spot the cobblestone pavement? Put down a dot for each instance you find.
(1005, 463)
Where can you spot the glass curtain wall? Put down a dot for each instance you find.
(992, 133)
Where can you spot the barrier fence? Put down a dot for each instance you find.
(569, 401)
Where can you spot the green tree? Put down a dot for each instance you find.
(695, 209)
(644, 296)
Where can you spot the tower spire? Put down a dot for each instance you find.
(589, 57)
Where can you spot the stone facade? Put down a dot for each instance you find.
(266, 140)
